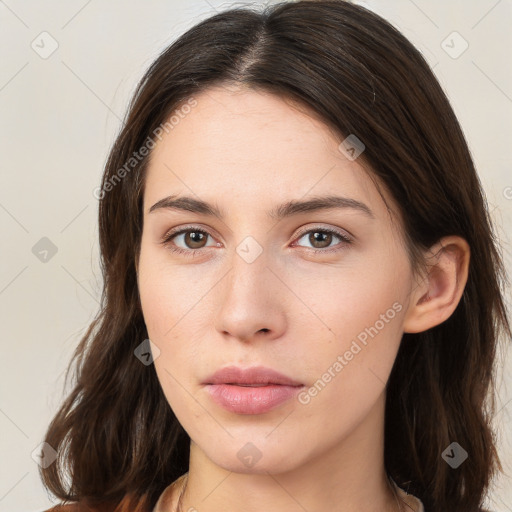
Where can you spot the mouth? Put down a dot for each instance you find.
(251, 398)
(254, 390)
(256, 376)
(255, 385)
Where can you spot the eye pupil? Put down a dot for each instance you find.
(192, 238)
(324, 238)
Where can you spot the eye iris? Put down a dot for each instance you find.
(192, 238)
(322, 237)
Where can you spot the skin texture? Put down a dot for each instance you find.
(248, 152)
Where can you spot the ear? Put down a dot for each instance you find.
(438, 294)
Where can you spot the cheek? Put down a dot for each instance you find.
(360, 314)
(349, 302)
(167, 294)
(172, 325)
(174, 302)
(348, 371)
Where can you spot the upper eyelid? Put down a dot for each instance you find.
(339, 231)
(180, 230)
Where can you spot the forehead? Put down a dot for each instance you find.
(251, 147)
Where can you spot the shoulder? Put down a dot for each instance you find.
(128, 504)
(72, 507)
(68, 507)
(83, 507)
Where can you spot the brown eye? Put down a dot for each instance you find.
(322, 238)
(319, 239)
(195, 239)
(186, 240)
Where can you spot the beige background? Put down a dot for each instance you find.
(59, 116)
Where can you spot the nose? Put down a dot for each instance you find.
(252, 301)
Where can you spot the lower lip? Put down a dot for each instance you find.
(251, 400)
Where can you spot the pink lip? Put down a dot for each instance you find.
(254, 375)
(231, 388)
(251, 400)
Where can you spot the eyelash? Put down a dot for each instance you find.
(166, 240)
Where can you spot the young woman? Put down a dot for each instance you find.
(302, 290)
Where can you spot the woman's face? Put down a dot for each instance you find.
(318, 294)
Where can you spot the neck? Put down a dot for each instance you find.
(349, 477)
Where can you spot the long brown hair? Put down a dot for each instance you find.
(117, 436)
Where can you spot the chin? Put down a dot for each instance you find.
(257, 457)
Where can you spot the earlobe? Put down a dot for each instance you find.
(439, 292)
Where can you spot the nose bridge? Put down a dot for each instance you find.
(249, 273)
(249, 301)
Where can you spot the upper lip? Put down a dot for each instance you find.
(254, 375)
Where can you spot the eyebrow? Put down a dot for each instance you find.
(287, 209)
